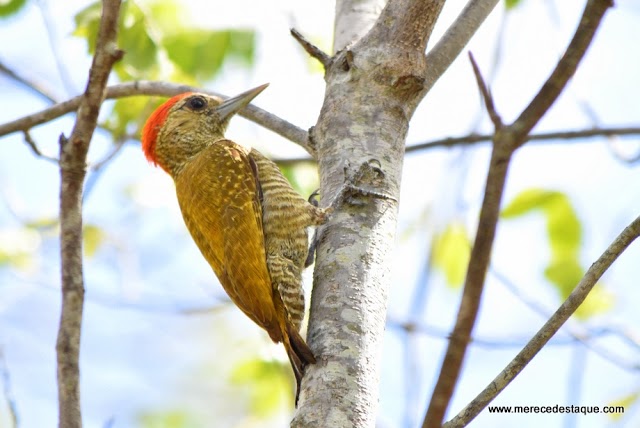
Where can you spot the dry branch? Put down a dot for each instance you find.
(73, 153)
(312, 49)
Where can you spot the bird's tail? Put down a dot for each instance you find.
(299, 354)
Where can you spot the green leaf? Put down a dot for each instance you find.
(129, 114)
(141, 51)
(151, 35)
(564, 274)
(510, 4)
(525, 202)
(93, 238)
(201, 52)
(197, 52)
(269, 383)
(563, 226)
(167, 15)
(44, 223)
(564, 234)
(15, 259)
(134, 38)
(168, 419)
(10, 7)
(242, 46)
(450, 252)
(18, 246)
(87, 23)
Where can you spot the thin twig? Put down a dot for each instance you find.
(495, 62)
(486, 95)
(117, 146)
(36, 151)
(576, 136)
(164, 89)
(73, 154)
(312, 49)
(551, 327)
(513, 342)
(540, 137)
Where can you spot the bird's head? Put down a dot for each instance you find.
(188, 123)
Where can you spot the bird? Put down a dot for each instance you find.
(250, 225)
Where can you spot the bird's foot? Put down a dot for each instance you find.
(369, 172)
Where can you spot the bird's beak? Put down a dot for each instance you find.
(232, 105)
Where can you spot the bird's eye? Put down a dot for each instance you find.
(197, 103)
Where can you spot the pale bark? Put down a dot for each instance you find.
(373, 87)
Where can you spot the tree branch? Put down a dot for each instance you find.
(73, 154)
(442, 55)
(591, 17)
(572, 338)
(372, 91)
(165, 89)
(36, 151)
(505, 141)
(471, 139)
(486, 95)
(312, 49)
(551, 327)
(474, 283)
(541, 137)
(407, 22)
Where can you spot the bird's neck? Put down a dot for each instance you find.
(181, 151)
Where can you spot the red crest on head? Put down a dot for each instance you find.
(154, 124)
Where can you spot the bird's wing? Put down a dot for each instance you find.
(220, 200)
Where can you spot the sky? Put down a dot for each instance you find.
(150, 340)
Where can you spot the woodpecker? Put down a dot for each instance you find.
(244, 216)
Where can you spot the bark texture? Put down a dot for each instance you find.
(373, 87)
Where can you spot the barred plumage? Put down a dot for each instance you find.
(285, 217)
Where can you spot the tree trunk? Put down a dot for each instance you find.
(373, 88)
